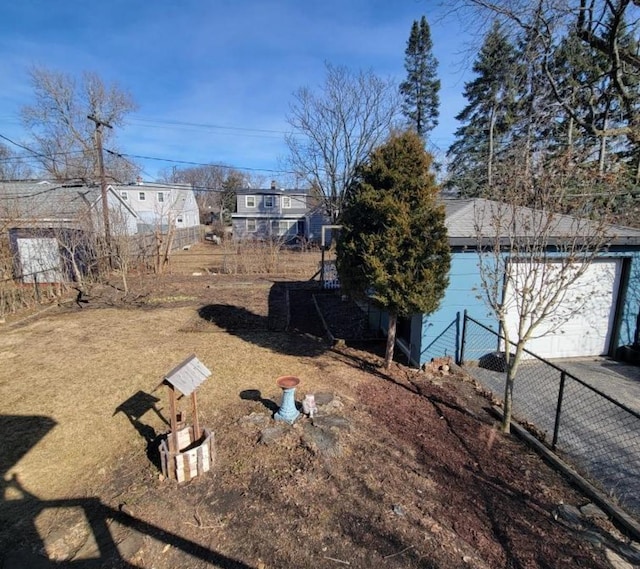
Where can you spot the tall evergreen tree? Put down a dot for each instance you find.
(488, 117)
(393, 248)
(420, 90)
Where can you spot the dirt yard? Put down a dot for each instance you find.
(398, 469)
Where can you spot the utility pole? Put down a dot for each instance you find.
(103, 183)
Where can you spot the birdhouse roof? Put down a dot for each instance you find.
(188, 376)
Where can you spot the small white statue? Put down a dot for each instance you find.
(309, 405)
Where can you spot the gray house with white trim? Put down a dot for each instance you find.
(275, 213)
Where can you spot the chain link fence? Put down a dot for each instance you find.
(592, 431)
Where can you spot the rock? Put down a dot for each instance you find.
(271, 434)
(398, 510)
(592, 512)
(323, 398)
(329, 421)
(255, 419)
(321, 440)
(130, 545)
(616, 561)
(568, 515)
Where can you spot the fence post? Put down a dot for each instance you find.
(464, 338)
(556, 426)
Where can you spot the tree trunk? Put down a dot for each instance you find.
(391, 340)
(513, 363)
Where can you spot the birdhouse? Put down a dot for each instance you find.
(187, 450)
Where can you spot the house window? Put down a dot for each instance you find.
(250, 201)
(124, 195)
(142, 196)
(269, 201)
(286, 202)
(282, 227)
(160, 197)
(180, 219)
(251, 225)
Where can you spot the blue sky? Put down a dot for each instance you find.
(231, 65)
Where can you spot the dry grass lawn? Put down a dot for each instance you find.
(411, 474)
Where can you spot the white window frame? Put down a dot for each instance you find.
(248, 199)
(282, 226)
(249, 223)
(286, 202)
(269, 201)
(160, 197)
(142, 196)
(124, 196)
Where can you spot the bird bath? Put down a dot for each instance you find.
(287, 411)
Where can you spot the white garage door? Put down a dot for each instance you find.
(583, 322)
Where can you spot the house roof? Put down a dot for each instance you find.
(466, 218)
(44, 203)
(272, 192)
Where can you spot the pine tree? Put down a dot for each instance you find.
(487, 118)
(393, 249)
(420, 90)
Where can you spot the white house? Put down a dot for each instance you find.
(159, 206)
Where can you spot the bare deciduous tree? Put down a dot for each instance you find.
(214, 186)
(529, 257)
(63, 135)
(335, 129)
(13, 166)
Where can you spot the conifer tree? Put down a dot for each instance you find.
(393, 249)
(488, 116)
(420, 90)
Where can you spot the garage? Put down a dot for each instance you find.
(582, 324)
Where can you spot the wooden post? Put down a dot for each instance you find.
(173, 442)
(194, 412)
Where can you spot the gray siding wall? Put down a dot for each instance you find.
(298, 204)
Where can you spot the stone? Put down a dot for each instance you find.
(329, 421)
(254, 419)
(398, 510)
(323, 398)
(271, 434)
(130, 545)
(592, 512)
(322, 440)
(616, 561)
(568, 515)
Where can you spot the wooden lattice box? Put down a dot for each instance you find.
(192, 458)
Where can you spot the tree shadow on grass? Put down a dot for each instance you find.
(271, 331)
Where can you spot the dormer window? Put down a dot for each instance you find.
(142, 196)
(250, 201)
(269, 201)
(286, 202)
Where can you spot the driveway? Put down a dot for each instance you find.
(598, 437)
(618, 380)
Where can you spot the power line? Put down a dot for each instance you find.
(189, 163)
(205, 125)
(24, 147)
